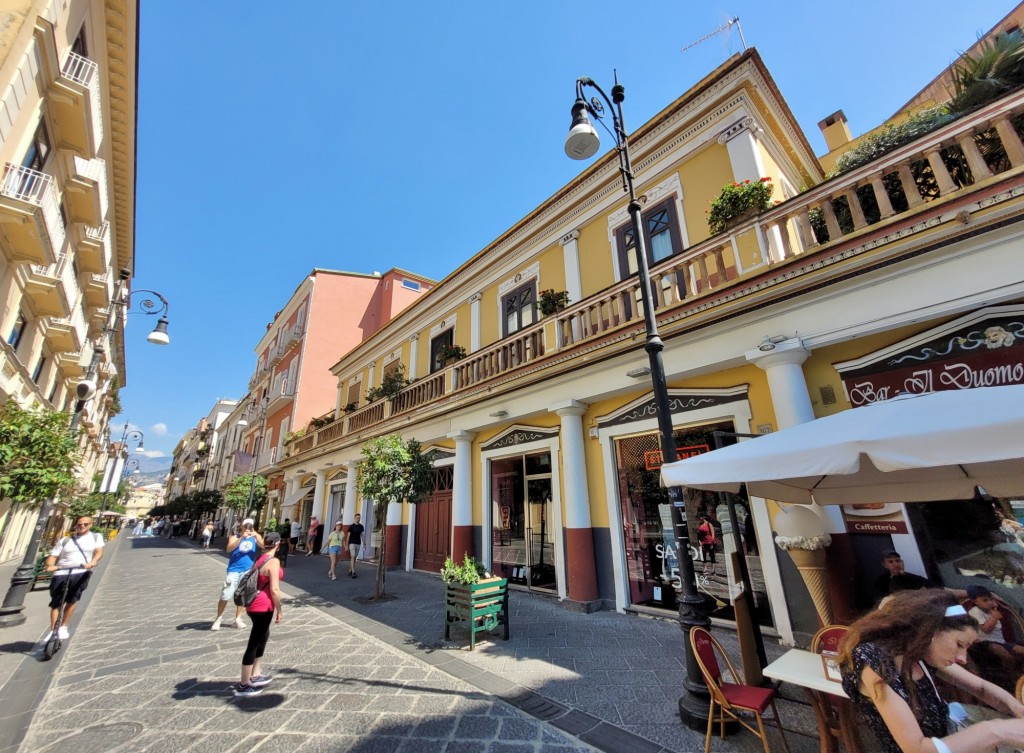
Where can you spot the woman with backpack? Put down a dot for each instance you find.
(261, 610)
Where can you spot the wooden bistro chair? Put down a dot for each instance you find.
(731, 697)
(835, 722)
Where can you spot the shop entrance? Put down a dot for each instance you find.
(522, 539)
(651, 555)
(434, 523)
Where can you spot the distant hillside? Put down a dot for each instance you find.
(149, 477)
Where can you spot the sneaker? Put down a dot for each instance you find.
(354, 575)
(216, 624)
(247, 691)
(238, 623)
(63, 633)
(260, 681)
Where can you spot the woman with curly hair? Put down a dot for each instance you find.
(890, 660)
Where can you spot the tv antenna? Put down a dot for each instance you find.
(734, 21)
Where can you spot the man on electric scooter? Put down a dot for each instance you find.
(75, 556)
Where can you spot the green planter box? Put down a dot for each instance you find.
(482, 607)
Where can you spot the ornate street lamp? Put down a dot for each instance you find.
(583, 143)
(112, 478)
(12, 610)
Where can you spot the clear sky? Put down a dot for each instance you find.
(365, 136)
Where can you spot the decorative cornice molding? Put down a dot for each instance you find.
(517, 435)
(570, 237)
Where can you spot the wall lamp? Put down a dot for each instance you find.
(640, 373)
(769, 343)
(498, 414)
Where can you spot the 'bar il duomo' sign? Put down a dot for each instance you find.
(982, 349)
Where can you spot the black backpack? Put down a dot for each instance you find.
(248, 584)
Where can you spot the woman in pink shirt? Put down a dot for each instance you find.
(261, 612)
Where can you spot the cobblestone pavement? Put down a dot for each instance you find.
(144, 673)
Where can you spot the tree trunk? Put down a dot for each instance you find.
(381, 556)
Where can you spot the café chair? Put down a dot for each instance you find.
(829, 710)
(1018, 693)
(728, 698)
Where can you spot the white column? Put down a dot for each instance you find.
(462, 479)
(577, 496)
(414, 353)
(474, 322)
(371, 375)
(783, 366)
(319, 505)
(571, 263)
(349, 511)
(394, 514)
(792, 402)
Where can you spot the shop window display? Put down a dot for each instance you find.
(651, 553)
(523, 532)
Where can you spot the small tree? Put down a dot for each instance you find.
(393, 471)
(38, 454)
(236, 495)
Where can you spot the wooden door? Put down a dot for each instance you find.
(434, 525)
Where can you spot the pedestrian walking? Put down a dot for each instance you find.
(242, 550)
(293, 537)
(353, 542)
(708, 539)
(261, 611)
(140, 528)
(76, 555)
(207, 535)
(313, 536)
(335, 542)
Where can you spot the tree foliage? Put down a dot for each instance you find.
(195, 504)
(38, 454)
(393, 471)
(236, 495)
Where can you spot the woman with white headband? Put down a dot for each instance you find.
(890, 661)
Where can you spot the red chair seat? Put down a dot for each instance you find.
(748, 696)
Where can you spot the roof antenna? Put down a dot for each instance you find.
(734, 21)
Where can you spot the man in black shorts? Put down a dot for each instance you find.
(75, 557)
(354, 540)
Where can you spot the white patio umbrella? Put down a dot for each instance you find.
(914, 448)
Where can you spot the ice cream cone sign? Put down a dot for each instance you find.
(802, 534)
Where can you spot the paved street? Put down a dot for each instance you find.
(144, 673)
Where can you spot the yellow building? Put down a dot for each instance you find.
(545, 434)
(67, 210)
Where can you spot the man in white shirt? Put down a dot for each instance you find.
(73, 559)
(293, 540)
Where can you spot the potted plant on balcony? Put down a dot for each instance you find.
(393, 382)
(739, 202)
(449, 354)
(552, 301)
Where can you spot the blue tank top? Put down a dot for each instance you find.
(244, 555)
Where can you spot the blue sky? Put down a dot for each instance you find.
(407, 134)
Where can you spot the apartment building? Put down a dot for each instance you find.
(67, 210)
(544, 435)
(292, 386)
(195, 459)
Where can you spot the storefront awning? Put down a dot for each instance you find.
(913, 448)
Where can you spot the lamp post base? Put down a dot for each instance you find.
(13, 610)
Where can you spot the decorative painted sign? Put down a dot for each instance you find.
(652, 458)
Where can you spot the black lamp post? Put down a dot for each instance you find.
(12, 610)
(583, 143)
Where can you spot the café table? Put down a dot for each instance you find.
(832, 707)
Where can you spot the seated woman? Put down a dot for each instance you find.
(889, 662)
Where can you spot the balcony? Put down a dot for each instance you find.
(257, 378)
(929, 193)
(85, 187)
(92, 247)
(280, 395)
(31, 228)
(99, 290)
(66, 334)
(72, 364)
(53, 289)
(76, 105)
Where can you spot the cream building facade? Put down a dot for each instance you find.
(544, 435)
(67, 211)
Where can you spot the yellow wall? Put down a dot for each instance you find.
(595, 254)
(703, 176)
